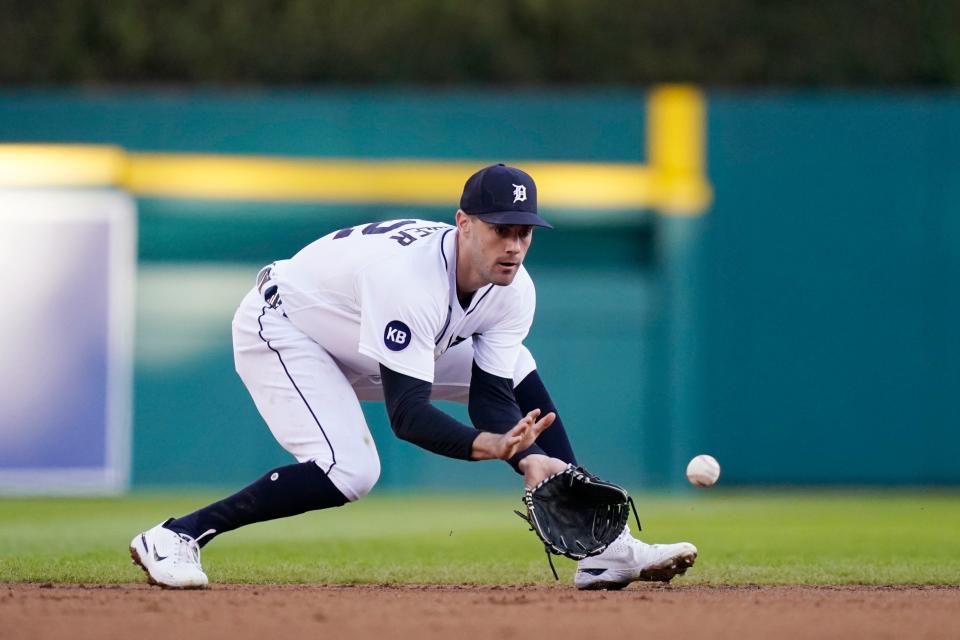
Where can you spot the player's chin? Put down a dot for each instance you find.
(503, 275)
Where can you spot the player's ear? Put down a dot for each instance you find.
(463, 221)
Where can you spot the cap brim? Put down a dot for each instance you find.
(514, 217)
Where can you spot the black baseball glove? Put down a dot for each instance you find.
(576, 514)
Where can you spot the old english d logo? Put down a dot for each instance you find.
(396, 335)
(519, 192)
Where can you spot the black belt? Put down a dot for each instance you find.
(269, 291)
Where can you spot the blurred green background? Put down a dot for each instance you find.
(802, 329)
(595, 42)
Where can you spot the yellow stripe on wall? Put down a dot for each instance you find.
(38, 165)
(673, 182)
(559, 184)
(676, 149)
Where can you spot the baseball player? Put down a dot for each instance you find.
(403, 311)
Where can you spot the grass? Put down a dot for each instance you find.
(770, 537)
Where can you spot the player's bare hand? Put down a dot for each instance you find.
(504, 446)
(536, 468)
(526, 432)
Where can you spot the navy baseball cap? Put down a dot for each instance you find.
(499, 194)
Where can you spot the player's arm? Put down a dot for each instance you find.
(493, 407)
(496, 346)
(415, 420)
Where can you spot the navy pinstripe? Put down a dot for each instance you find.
(333, 453)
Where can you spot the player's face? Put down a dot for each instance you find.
(493, 252)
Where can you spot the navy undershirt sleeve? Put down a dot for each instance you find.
(415, 420)
(531, 394)
(493, 407)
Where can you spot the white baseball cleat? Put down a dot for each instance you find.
(627, 560)
(170, 560)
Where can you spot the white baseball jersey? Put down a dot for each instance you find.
(386, 293)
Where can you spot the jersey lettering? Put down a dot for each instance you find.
(374, 228)
(404, 238)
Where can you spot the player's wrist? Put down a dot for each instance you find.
(485, 446)
(529, 460)
(536, 467)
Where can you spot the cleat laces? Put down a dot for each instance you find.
(187, 551)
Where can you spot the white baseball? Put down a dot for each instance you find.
(703, 471)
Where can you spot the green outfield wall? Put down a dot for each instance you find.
(828, 298)
(802, 329)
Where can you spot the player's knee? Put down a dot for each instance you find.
(525, 365)
(355, 479)
(363, 480)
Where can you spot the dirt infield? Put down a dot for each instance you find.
(78, 612)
